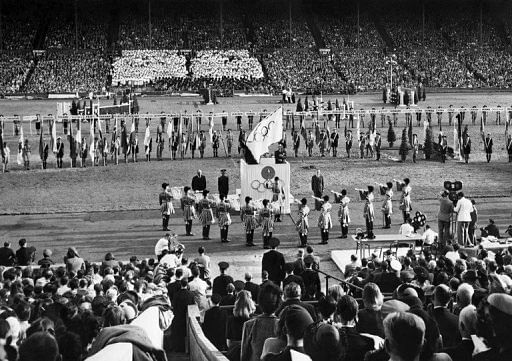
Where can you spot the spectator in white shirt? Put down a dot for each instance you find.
(168, 260)
(429, 236)
(198, 287)
(406, 229)
(463, 209)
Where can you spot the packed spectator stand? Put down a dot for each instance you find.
(440, 45)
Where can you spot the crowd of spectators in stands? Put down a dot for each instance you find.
(218, 64)
(144, 66)
(13, 71)
(456, 299)
(305, 70)
(69, 72)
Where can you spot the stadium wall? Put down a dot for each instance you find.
(199, 347)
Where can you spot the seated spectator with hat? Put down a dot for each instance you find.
(46, 261)
(296, 320)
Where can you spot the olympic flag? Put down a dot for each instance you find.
(266, 133)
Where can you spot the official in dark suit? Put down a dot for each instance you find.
(273, 263)
(222, 281)
(182, 299)
(199, 182)
(447, 321)
(223, 183)
(7, 255)
(214, 324)
(290, 277)
(317, 186)
(311, 280)
(292, 297)
(467, 327)
(251, 287)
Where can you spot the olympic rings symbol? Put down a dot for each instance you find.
(261, 187)
(265, 129)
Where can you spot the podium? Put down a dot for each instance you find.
(256, 181)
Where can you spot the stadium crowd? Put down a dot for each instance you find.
(13, 71)
(461, 304)
(69, 72)
(144, 66)
(449, 52)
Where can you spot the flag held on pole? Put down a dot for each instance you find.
(266, 133)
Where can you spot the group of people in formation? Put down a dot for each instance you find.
(252, 216)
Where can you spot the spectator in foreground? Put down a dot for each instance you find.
(214, 320)
(258, 329)
(25, 255)
(404, 336)
(41, 346)
(297, 319)
(73, 260)
(370, 318)
(467, 327)
(7, 255)
(242, 312)
(46, 261)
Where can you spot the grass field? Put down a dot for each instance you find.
(114, 208)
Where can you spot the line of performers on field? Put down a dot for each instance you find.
(252, 217)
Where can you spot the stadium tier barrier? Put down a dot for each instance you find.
(198, 346)
(433, 111)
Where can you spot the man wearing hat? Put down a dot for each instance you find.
(221, 282)
(60, 152)
(297, 320)
(223, 183)
(46, 261)
(273, 262)
(247, 213)
(488, 143)
(166, 207)
(187, 206)
(204, 207)
(498, 312)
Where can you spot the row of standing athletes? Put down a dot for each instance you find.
(265, 217)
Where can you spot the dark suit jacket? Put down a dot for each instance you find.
(198, 183)
(317, 185)
(448, 326)
(7, 256)
(462, 352)
(220, 283)
(223, 184)
(273, 263)
(307, 306)
(254, 289)
(228, 300)
(296, 279)
(312, 284)
(214, 327)
(357, 345)
(25, 255)
(172, 289)
(370, 321)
